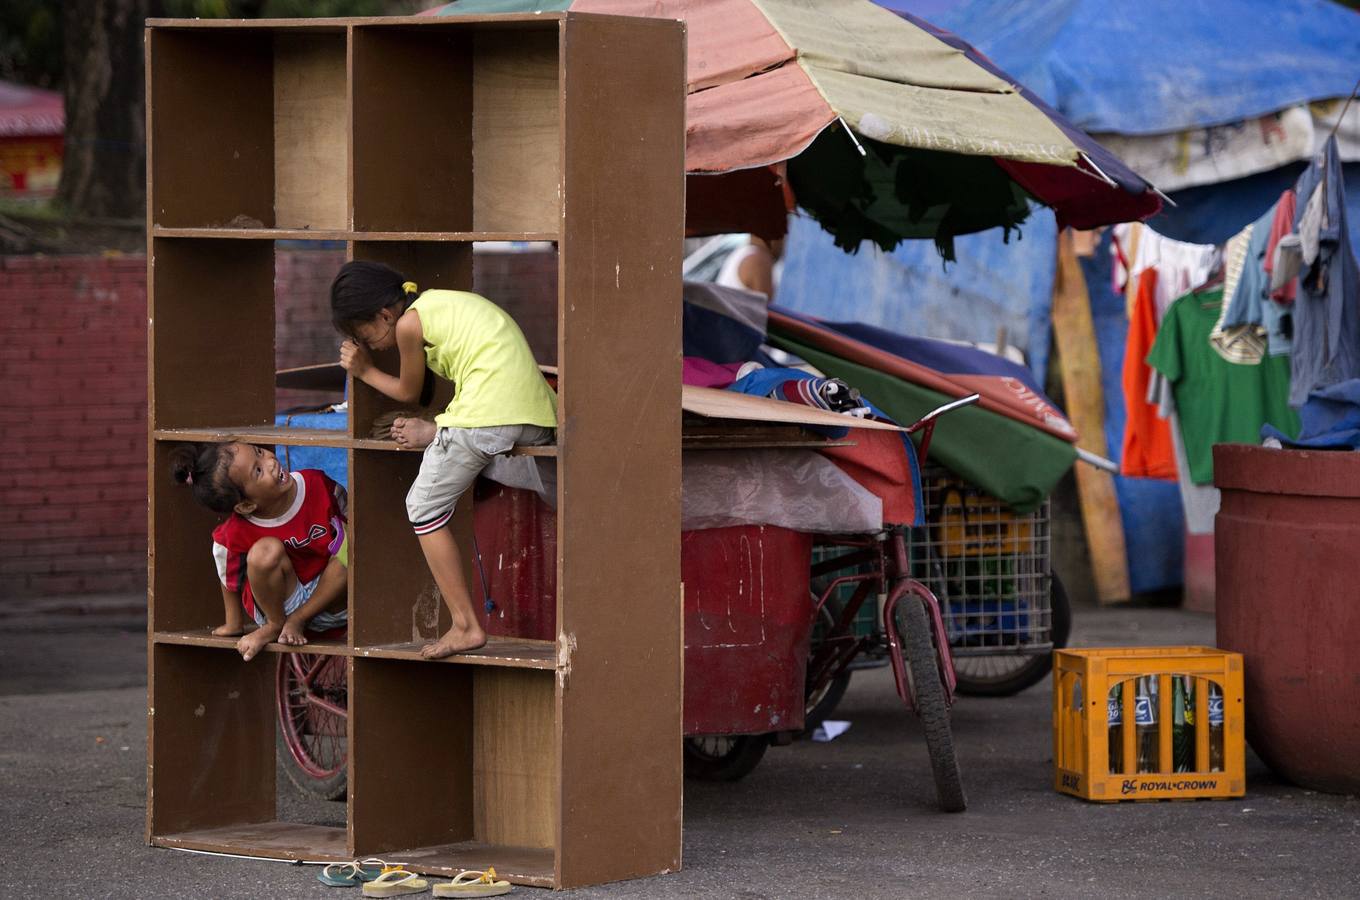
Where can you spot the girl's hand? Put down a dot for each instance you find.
(354, 358)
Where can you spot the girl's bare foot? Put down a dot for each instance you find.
(229, 630)
(455, 641)
(413, 433)
(257, 640)
(292, 634)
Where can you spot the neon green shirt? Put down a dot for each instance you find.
(475, 344)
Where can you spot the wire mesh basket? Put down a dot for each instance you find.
(989, 567)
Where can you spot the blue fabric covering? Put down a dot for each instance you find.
(1329, 420)
(1161, 65)
(909, 291)
(331, 460)
(718, 338)
(764, 382)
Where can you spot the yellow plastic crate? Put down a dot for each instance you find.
(1138, 686)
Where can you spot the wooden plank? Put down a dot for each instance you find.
(257, 434)
(526, 21)
(411, 763)
(333, 234)
(412, 128)
(211, 755)
(320, 377)
(720, 404)
(311, 128)
(618, 500)
(514, 758)
(517, 167)
(520, 865)
(211, 123)
(267, 840)
(1074, 333)
(499, 651)
(203, 637)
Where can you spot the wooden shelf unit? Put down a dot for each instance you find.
(409, 139)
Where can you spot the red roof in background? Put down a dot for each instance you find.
(30, 112)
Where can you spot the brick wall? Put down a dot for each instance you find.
(73, 401)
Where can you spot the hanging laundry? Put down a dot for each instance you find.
(1248, 312)
(1147, 450)
(1326, 314)
(1283, 281)
(1217, 401)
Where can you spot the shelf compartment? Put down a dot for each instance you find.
(477, 744)
(265, 111)
(203, 637)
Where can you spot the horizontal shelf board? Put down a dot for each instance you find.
(515, 653)
(258, 434)
(522, 865)
(391, 446)
(269, 840)
(334, 24)
(758, 444)
(325, 234)
(203, 637)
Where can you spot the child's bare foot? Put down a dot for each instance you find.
(455, 641)
(292, 634)
(413, 433)
(229, 630)
(257, 640)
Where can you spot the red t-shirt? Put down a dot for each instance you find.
(312, 531)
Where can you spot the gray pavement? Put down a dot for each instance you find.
(853, 818)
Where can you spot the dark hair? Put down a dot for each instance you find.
(361, 290)
(204, 468)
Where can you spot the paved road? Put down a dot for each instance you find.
(852, 818)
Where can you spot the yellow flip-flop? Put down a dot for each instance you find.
(474, 884)
(394, 882)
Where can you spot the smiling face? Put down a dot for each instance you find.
(263, 480)
(379, 332)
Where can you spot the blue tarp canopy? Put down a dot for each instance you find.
(1161, 65)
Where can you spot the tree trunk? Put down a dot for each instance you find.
(103, 172)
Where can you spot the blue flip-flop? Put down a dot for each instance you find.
(351, 873)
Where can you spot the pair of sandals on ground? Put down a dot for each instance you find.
(380, 879)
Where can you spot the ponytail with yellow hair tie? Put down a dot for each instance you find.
(409, 288)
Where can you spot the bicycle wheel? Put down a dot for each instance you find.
(313, 723)
(723, 757)
(820, 704)
(1002, 676)
(927, 693)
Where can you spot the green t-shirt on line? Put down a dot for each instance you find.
(1217, 401)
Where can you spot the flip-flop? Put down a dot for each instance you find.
(394, 882)
(351, 873)
(474, 884)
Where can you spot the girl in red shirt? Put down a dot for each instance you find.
(282, 551)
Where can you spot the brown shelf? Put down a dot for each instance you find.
(270, 840)
(521, 865)
(511, 653)
(258, 434)
(391, 446)
(203, 637)
(319, 234)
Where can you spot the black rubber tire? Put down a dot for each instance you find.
(1023, 672)
(331, 788)
(817, 709)
(732, 761)
(928, 692)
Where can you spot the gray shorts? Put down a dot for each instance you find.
(451, 464)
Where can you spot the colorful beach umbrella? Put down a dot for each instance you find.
(885, 128)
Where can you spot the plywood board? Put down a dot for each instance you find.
(210, 121)
(516, 118)
(1079, 359)
(411, 755)
(619, 450)
(412, 129)
(311, 131)
(720, 404)
(267, 840)
(211, 757)
(514, 751)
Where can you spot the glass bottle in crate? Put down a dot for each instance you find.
(1114, 720)
(1183, 724)
(1215, 721)
(1145, 725)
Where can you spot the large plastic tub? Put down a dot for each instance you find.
(1288, 599)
